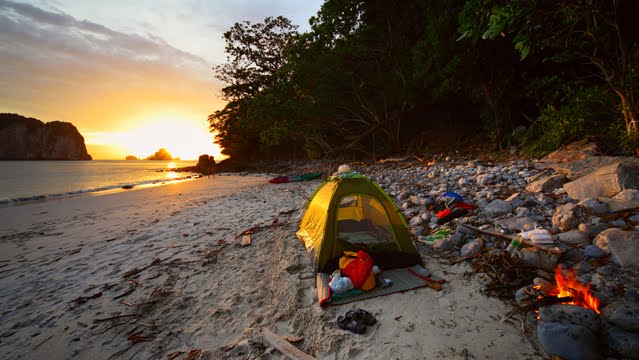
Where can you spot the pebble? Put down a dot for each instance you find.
(594, 252)
(618, 223)
(443, 244)
(471, 249)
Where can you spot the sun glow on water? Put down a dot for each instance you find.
(171, 175)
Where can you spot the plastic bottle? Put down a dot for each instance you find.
(514, 245)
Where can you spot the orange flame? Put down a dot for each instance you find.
(568, 285)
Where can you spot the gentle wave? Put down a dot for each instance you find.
(97, 190)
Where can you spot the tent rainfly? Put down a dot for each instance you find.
(349, 213)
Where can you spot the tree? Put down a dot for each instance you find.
(254, 67)
(600, 33)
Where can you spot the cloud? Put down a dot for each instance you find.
(57, 64)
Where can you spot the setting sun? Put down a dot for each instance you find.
(183, 136)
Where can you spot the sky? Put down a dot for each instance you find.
(132, 76)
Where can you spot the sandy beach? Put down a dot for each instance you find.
(159, 273)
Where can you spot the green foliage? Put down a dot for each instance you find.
(374, 77)
(622, 141)
(581, 111)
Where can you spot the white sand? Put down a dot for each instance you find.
(205, 291)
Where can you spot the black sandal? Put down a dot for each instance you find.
(350, 324)
(364, 317)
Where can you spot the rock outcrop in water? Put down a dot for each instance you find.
(24, 138)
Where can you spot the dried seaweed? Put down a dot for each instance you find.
(507, 274)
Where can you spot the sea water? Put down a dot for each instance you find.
(22, 181)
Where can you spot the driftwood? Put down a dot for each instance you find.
(526, 242)
(136, 270)
(284, 346)
(131, 289)
(115, 317)
(83, 299)
(257, 228)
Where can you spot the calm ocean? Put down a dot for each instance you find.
(22, 181)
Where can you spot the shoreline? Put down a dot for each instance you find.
(91, 192)
(29, 181)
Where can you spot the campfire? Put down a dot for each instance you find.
(568, 290)
(569, 286)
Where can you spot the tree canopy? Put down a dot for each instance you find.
(371, 78)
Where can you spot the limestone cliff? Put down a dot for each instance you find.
(24, 138)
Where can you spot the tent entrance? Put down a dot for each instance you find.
(362, 221)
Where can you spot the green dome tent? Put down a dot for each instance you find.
(350, 212)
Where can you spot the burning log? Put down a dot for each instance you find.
(568, 291)
(569, 286)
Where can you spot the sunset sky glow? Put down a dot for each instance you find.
(131, 76)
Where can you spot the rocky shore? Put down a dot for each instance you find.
(588, 204)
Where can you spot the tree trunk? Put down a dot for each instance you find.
(629, 111)
(629, 114)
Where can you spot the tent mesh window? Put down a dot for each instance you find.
(362, 220)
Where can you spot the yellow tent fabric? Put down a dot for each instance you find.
(352, 213)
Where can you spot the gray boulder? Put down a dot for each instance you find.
(571, 314)
(607, 181)
(497, 208)
(622, 245)
(623, 313)
(538, 258)
(626, 343)
(547, 184)
(573, 237)
(627, 194)
(568, 341)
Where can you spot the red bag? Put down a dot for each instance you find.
(358, 269)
